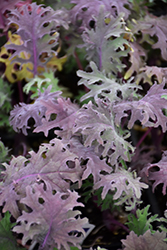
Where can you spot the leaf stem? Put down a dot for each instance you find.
(143, 137)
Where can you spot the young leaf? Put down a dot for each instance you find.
(3, 154)
(52, 221)
(141, 223)
(38, 84)
(5, 96)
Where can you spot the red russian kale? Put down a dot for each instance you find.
(53, 164)
(65, 111)
(110, 88)
(160, 176)
(154, 26)
(5, 5)
(52, 221)
(37, 27)
(105, 44)
(147, 241)
(21, 113)
(149, 110)
(94, 164)
(96, 124)
(125, 186)
(86, 11)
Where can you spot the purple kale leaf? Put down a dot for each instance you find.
(137, 53)
(94, 164)
(147, 241)
(96, 125)
(149, 110)
(52, 221)
(65, 112)
(37, 29)
(21, 113)
(146, 74)
(5, 5)
(105, 44)
(86, 11)
(53, 163)
(125, 185)
(160, 176)
(154, 26)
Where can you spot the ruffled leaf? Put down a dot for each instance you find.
(94, 164)
(53, 163)
(36, 29)
(65, 112)
(155, 26)
(96, 124)
(13, 71)
(141, 221)
(147, 241)
(100, 85)
(52, 221)
(85, 11)
(105, 44)
(21, 113)
(125, 185)
(160, 176)
(148, 110)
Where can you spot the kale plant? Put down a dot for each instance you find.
(99, 147)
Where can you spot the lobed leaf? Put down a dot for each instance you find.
(21, 113)
(126, 187)
(52, 221)
(94, 165)
(65, 111)
(105, 44)
(155, 26)
(101, 85)
(160, 176)
(37, 29)
(53, 164)
(149, 110)
(96, 124)
(86, 11)
(141, 222)
(14, 71)
(147, 241)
